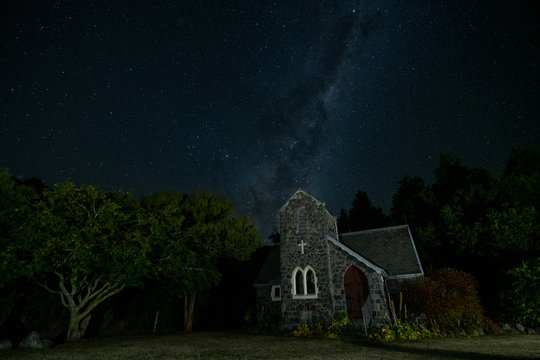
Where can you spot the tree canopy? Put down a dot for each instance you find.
(86, 245)
(474, 221)
(362, 215)
(468, 219)
(13, 195)
(83, 245)
(190, 235)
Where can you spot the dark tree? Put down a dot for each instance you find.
(344, 225)
(363, 215)
(476, 222)
(411, 203)
(523, 161)
(275, 237)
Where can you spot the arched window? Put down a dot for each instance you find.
(299, 282)
(310, 282)
(304, 283)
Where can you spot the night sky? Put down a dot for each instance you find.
(254, 99)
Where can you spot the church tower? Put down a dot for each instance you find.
(306, 280)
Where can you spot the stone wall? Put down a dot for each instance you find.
(341, 261)
(296, 311)
(268, 311)
(328, 261)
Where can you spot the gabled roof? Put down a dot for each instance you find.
(390, 248)
(358, 257)
(270, 273)
(302, 192)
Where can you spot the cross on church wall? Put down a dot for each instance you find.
(302, 244)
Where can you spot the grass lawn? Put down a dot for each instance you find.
(222, 345)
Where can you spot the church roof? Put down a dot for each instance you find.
(301, 192)
(390, 248)
(357, 256)
(270, 273)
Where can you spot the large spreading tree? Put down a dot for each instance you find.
(84, 245)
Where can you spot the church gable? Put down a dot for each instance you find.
(306, 283)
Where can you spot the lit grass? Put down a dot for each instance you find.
(221, 345)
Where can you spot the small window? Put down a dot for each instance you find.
(302, 222)
(276, 293)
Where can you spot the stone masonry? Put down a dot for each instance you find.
(305, 226)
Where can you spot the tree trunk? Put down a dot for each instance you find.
(77, 325)
(81, 297)
(189, 306)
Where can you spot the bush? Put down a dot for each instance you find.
(303, 330)
(489, 326)
(524, 297)
(400, 331)
(449, 299)
(317, 330)
(339, 321)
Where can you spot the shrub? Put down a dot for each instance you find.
(449, 299)
(302, 330)
(318, 330)
(400, 331)
(524, 297)
(339, 321)
(489, 326)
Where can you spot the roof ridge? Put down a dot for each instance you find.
(388, 228)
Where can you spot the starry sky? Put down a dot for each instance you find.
(254, 99)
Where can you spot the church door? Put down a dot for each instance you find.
(356, 291)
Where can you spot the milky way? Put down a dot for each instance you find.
(297, 122)
(257, 99)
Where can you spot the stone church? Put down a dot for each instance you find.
(314, 273)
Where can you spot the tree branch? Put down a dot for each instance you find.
(84, 208)
(65, 293)
(49, 289)
(109, 291)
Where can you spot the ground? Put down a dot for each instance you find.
(220, 345)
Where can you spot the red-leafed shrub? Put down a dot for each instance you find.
(489, 326)
(449, 299)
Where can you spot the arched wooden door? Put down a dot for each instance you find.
(356, 291)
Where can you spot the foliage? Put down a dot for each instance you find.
(13, 195)
(338, 322)
(332, 331)
(401, 331)
(303, 330)
(409, 202)
(448, 298)
(362, 215)
(471, 220)
(87, 241)
(190, 234)
(489, 326)
(524, 297)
